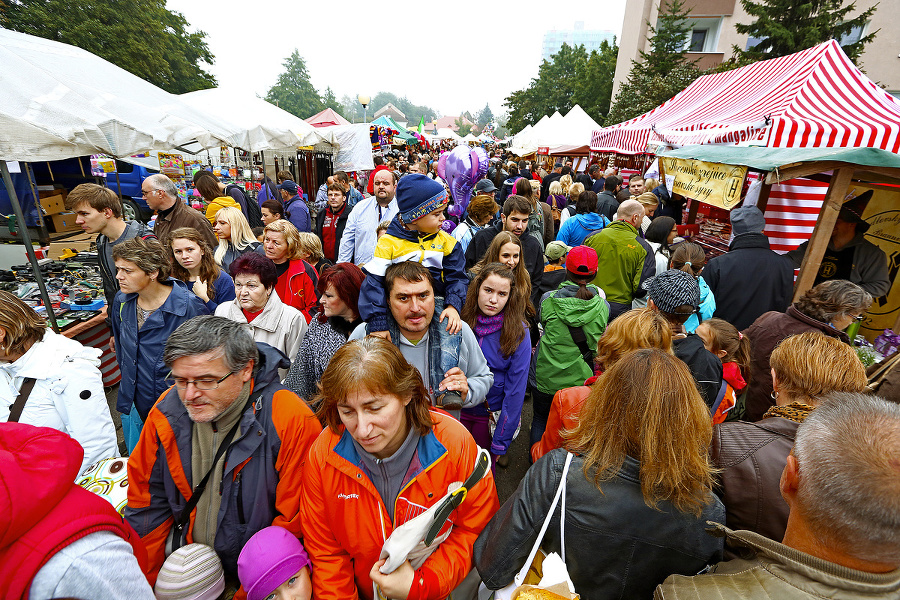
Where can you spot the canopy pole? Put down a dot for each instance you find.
(29, 249)
(818, 243)
(34, 192)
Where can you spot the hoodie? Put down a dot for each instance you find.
(574, 230)
(44, 513)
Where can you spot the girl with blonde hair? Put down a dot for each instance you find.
(235, 236)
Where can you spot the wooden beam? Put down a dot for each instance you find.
(692, 211)
(821, 235)
(763, 200)
(802, 170)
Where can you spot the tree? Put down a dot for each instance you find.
(552, 90)
(484, 116)
(330, 101)
(351, 109)
(140, 36)
(294, 92)
(664, 71)
(465, 128)
(784, 27)
(412, 111)
(593, 86)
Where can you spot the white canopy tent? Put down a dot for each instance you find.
(352, 146)
(58, 101)
(574, 129)
(263, 126)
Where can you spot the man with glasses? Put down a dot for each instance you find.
(161, 195)
(229, 423)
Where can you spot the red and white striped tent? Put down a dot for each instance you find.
(815, 98)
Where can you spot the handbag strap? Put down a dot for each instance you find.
(198, 491)
(15, 411)
(560, 491)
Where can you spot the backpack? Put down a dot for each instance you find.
(252, 212)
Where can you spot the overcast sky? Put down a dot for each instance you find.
(452, 56)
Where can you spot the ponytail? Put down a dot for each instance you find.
(742, 355)
(688, 257)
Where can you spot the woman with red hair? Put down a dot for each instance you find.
(331, 325)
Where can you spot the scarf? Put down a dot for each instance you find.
(795, 411)
(487, 325)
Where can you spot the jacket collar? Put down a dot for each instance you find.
(176, 303)
(430, 449)
(825, 328)
(749, 240)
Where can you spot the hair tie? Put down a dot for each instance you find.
(688, 263)
(740, 335)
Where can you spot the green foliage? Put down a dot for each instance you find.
(464, 127)
(412, 111)
(485, 116)
(663, 72)
(140, 36)
(570, 77)
(668, 41)
(329, 100)
(294, 92)
(786, 26)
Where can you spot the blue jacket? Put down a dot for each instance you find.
(225, 292)
(139, 353)
(297, 213)
(507, 394)
(440, 252)
(575, 229)
(707, 307)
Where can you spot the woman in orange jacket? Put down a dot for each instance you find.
(385, 458)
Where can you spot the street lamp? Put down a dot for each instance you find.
(364, 100)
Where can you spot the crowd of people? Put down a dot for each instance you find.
(306, 396)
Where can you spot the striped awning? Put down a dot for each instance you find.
(812, 99)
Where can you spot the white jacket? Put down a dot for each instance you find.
(68, 394)
(278, 325)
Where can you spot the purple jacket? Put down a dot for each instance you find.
(296, 212)
(508, 391)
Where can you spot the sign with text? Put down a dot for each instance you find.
(713, 183)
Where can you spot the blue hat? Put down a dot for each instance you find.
(289, 186)
(418, 195)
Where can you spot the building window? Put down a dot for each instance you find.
(856, 34)
(698, 40)
(704, 34)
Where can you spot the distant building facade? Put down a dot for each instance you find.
(712, 36)
(591, 39)
(393, 112)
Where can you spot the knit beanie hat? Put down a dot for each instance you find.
(193, 572)
(268, 559)
(747, 219)
(672, 289)
(418, 195)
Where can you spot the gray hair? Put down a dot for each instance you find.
(833, 299)
(162, 182)
(207, 333)
(848, 451)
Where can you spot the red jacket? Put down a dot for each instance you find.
(345, 523)
(42, 510)
(564, 411)
(297, 287)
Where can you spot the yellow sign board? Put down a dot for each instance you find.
(713, 183)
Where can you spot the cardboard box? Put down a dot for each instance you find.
(62, 222)
(45, 191)
(53, 204)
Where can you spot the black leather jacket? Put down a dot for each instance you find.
(616, 546)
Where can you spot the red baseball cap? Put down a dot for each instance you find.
(582, 260)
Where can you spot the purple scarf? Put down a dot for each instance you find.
(488, 325)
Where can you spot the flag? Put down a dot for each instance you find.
(421, 125)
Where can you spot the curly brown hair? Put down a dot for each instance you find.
(832, 299)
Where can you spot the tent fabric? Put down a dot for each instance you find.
(327, 118)
(814, 98)
(573, 129)
(261, 124)
(352, 146)
(403, 134)
(769, 159)
(58, 101)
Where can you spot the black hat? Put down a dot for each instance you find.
(853, 209)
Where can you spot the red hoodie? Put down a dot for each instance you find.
(41, 509)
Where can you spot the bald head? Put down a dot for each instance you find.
(629, 209)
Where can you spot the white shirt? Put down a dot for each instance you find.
(359, 239)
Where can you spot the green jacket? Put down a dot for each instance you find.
(777, 572)
(624, 262)
(559, 363)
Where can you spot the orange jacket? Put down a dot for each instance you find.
(345, 523)
(262, 477)
(564, 411)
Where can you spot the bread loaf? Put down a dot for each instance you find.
(537, 594)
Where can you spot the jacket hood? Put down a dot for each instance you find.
(749, 240)
(270, 360)
(577, 312)
(45, 358)
(591, 221)
(37, 468)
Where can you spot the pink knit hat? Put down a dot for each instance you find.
(268, 559)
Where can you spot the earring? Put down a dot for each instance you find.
(774, 395)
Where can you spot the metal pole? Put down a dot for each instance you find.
(29, 249)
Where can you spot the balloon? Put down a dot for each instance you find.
(463, 169)
(441, 166)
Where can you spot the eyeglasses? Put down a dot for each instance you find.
(859, 317)
(204, 383)
(148, 192)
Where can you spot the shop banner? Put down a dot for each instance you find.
(713, 183)
(171, 164)
(882, 213)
